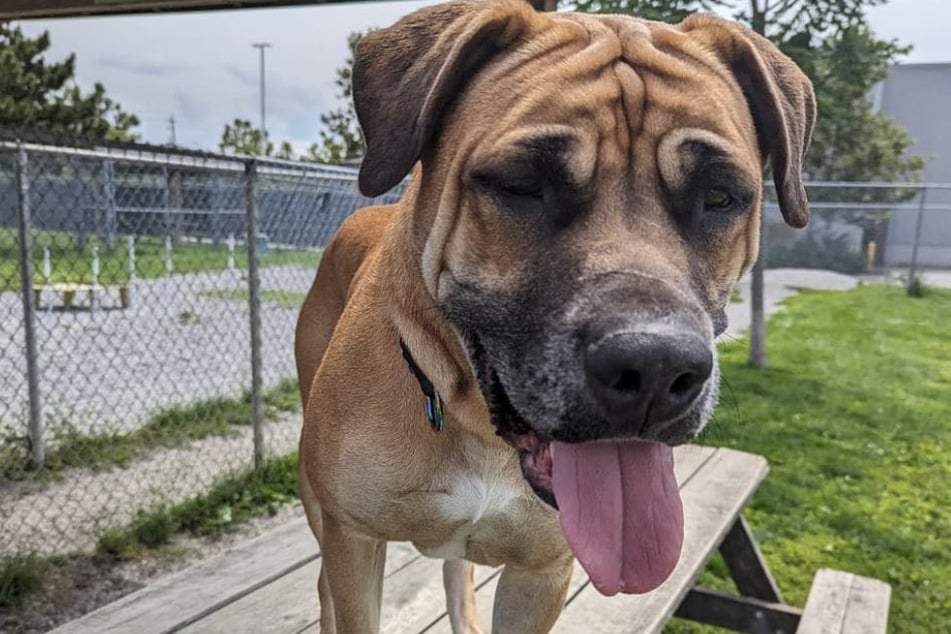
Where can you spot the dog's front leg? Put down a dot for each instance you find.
(353, 566)
(458, 576)
(528, 601)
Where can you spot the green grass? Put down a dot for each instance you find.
(70, 263)
(20, 576)
(230, 502)
(854, 416)
(173, 427)
(282, 298)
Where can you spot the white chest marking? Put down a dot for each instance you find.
(471, 499)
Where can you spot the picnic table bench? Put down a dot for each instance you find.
(268, 585)
(67, 291)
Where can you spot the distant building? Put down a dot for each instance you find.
(918, 96)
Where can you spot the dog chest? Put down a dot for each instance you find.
(476, 507)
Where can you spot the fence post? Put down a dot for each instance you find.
(254, 300)
(922, 199)
(757, 357)
(37, 446)
(216, 209)
(109, 194)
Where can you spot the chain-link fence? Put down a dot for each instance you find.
(865, 228)
(143, 354)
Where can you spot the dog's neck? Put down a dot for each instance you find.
(423, 333)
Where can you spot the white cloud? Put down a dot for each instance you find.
(201, 68)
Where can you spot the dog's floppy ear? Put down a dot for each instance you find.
(405, 75)
(780, 98)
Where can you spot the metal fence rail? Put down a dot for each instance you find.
(148, 300)
(861, 227)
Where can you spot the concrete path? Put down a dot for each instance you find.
(780, 284)
(937, 278)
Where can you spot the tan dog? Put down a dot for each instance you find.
(586, 194)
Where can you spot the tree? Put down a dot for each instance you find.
(42, 95)
(851, 142)
(342, 137)
(663, 10)
(240, 137)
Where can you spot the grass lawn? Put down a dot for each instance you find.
(174, 426)
(854, 416)
(232, 500)
(69, 263)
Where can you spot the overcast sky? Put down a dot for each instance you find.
(201, 69)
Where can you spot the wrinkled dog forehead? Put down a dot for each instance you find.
(408, 76)
(601, 92)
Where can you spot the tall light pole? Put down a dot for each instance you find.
(262, 46)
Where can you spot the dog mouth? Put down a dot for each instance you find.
(533, 448)
(618, 501)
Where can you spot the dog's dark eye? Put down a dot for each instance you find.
(512, 187)
(718, 200)
(521, 189)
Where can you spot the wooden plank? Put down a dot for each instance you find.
(840, 602)
(486, 581)
(289, 603)
(485, 598)
(185, 597)
(746, 564)
(413, 596)
(274, 575)
(688, 459)
(418, 599)
(740, 614)
(713, 498)
(286, 605)
(827, 603)
(868, 607)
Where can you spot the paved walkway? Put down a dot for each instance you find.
(937, 278)
(781, 284)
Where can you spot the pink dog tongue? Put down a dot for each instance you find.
(620, 511)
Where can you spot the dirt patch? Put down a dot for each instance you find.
(72, 588)
(77, 585)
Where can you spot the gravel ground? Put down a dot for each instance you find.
(68, 515)
(109, 370)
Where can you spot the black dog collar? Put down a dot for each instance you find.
(434, 411)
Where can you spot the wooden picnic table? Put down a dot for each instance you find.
(68, 290)
(269, 584)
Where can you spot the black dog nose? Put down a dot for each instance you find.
(642, 379)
